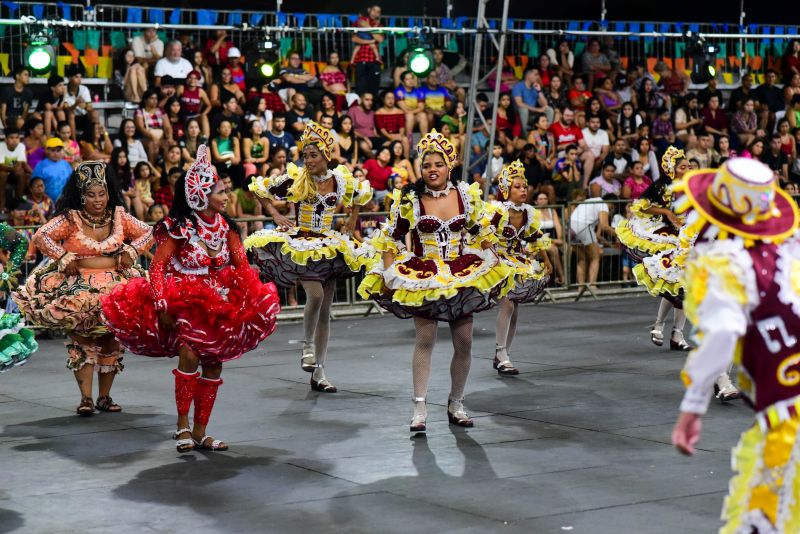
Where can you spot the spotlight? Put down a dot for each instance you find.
(262, 60)
(704, 58)
(420, 60)
(40, 54)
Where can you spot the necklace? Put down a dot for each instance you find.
(441, 192)
(95, 222)
(212, 233)
(324, 178)
(511, 206)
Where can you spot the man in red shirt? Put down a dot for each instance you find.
(567, 133)
(216, 50)
(378, 172)
(367, 62)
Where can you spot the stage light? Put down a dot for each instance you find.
(420, 61)
(262, 60)
(704, 58)
(40, 54)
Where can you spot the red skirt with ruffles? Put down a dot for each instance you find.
(219, 316)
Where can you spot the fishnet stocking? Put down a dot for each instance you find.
(322, 334)
(421, 360)
(506, 327)
(461, 332)
(680, 320)
(663, 309)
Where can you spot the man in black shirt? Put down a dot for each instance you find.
(776, 160)
(739, 94)
(228, 113)
(16, 100)
(298, 116)
(620, 158)
(710, 90)
(770, 101)
(51, 107)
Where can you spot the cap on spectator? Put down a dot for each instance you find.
(54, 80)
(167, 80)
(72, 70)
(192, 74)
(54, 142)
(234, 52)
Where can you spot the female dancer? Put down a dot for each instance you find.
(658, 238)
(16, 343)
(93, 244)
(310, 250)
(203, 301)
(449, 273)
(520, 240)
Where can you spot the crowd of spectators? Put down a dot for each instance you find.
(582, 125)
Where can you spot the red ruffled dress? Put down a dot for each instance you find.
(221, 308)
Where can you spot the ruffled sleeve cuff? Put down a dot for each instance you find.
(383, 243)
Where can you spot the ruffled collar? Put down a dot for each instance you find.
(114, 239)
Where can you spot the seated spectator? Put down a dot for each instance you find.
(390, 121)
(788, 145)
(436, 99)
(168, 89)
(589, 220)
(34, 141)
(606, 183)
(226, 152)
(72, 150)
(566, 133)
(216, 49)
(53, 170)
(175, 118)
(235, 66)
(277, 161)
(298, 115)
(529, 99)
(51, 107)
(793, 113)
(200, 65)
(226, 88)
(119, 170)
(567, 173)
(508, 77)
(551, 225)
(594, 63)
(562, 59)
(172, 160)
(95, 144)
(401, 163)
(738, 95)
(78, 100)
(756, 149)
(278, 137)
(444, 76)
(494, 165)
(191, 139)
(705, 94)
(650, 100)
(147, 48)
(334, 81)
(662, 132)
(13, 164)
(546, 70)
(346, 150)
(172, 64)
(643, 152)
(556, 97)
(166, 193)
(674, 83)
(626, 89)
(508, 124)
(35, 208)
(715, 121)
(410, 101)
(775, 159)
(724, 149)
(620, 157)
(688, 121)
(539, 158)
(596, 140)
(704, 152)
(294, 78)
(256, 150)
(378, 170)
(595, 109)
(249, 208)
(628, 123)
(790, 62)
(257, 111)
(455, 139)
(745, 123)
(152, 125)
(273, 100)
(609, 97)
(16, 99)
(327, 108)
(127, 140)
(457, 120)
(363, 118)
(637, 183)
(770, 101)
(229, 113)
(578, 95)
(133, 76)
(194, 102)
(479, 149)
(790, 89)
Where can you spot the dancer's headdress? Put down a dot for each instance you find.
(200, 180)
(436, 142)
(670, 160)
(314, 134)
(511, 171)
(91, 173)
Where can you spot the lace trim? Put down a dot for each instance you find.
(441, 193)
(788, 280)
(112, 242)
(740, 260)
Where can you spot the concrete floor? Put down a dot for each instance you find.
(579, 442)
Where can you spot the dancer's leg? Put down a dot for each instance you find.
(503, 328)
(421, 368)
(204, 397)
(322, 334)
(461, 333)
(314, 295)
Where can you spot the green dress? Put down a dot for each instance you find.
(16, 342)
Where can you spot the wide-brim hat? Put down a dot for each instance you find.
(740, 198)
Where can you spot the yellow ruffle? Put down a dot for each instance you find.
(383, 243)
(655, 287)
(699, 275)
(633, 242)
(483, 214)
(356, 191)
(500, 275)
(302, 257)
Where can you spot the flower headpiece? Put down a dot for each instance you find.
(314, 134)
(511, 171)
(200, 180)
(670, 159)
(91, 173)
(436, 142)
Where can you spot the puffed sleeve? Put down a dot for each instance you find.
(275, 187)
(720, 291)
(356, 192)
(139, 233)
(533, 236)
(485, 220)
(391, 236)
(48, 238)
(167, 246)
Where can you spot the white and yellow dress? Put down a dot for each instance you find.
(447, 273)
(518, 248)
(312, 250)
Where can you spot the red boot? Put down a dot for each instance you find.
(204, 397)
(185, 385)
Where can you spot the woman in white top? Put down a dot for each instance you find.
(127, 139)
(642, 152)
(551, 225)
(562, 59)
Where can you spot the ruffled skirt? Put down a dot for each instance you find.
(662, 274)
(762, 496)
(432, 288)
(530, 278)
(643, 237)
(286, 257)
(219, 317)
(16, 342)
(51, 299)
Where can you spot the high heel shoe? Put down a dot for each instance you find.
(456, 413)
(308, 360)
(680, 343)
(420, 415)
(323, 385)
(657, 336)
(503, 367)
(724, 390)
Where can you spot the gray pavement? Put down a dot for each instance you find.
(579, 442)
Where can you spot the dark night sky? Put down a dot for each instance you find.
(758, 11)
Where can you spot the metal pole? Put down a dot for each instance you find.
(449, 15)
(742, 41)
(603, 11)
(473, 85)
(501, 48)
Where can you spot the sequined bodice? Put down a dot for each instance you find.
(317, 215)
(202, 248)
(438, 237)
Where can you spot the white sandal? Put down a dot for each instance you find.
(420, 415)
(183, 444)
(216, 444)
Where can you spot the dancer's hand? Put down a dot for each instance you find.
(686, 433)
(166, 321)
(282, 222)
(125, 261)
(71, 269)
(350, 225)
(674, 220)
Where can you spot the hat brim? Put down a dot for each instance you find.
(777, 228)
